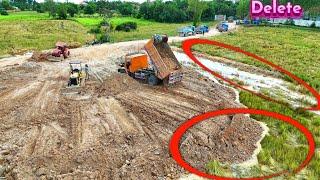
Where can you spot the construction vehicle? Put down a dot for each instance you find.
(77, 77)
(61, 50)
(155, 64)
(77, 74)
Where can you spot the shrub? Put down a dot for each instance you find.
(104, 23)
(62, 12)
(127, 26)
(4, 13)
(313, 25)
(95, 30)
(289, 22)
(104, 38)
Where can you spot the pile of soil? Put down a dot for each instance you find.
(117, 83)
(38, 56)
(227, 139)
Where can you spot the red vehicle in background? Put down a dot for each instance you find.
(61, 49)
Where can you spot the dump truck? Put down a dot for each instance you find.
(155, 64)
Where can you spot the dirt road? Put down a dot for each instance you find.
(116, 128)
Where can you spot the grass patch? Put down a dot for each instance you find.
(25, 16)
(286, 147)
(146, 28)
(89, 22)
(294, 49)
(27, 30)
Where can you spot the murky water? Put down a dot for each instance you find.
(269, 86)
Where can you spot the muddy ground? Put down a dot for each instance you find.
(117, 127)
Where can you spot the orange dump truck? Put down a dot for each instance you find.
(157, 64)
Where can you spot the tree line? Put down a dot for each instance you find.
(311, 7)
(158, 10)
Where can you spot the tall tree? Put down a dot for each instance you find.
(51, 7)
(243, 8)
(6, 5)
(197, 7)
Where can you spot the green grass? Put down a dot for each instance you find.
(25, 16)
(25, 31)
(89, 22)
(292, 48)
(286, 147)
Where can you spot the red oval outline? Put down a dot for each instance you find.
(177, 135)
(187, 45)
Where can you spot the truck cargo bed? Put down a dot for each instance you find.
(163, 58)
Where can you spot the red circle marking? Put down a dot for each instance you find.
(175, 140)
(187, 45)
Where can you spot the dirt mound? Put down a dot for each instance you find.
(74, 45)
(38, 56)
(227, 139)
(118, 83)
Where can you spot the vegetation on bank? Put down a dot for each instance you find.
(283, 149)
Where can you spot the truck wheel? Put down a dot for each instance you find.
(153, 80)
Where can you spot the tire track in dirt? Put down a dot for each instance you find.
(117, 129)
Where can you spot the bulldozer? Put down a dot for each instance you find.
(156, 63)
(76, 79)
(77, 75)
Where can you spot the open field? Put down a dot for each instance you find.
(26, 31)
(23, 31)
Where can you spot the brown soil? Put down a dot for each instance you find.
(38, 56)
(117, 129)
